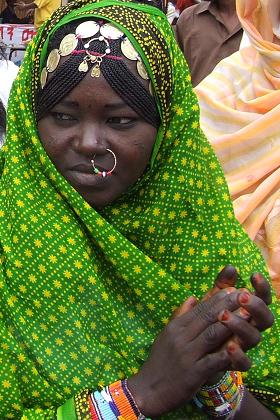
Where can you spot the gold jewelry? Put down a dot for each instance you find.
(95, 72)
(68, 44)
(129, 52)
(142, 69)
(53, 60)
(44, 76)
(84, 31)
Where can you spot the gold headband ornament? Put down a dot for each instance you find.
(86, 30)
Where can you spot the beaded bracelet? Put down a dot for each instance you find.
(114, 402)
(223, 398)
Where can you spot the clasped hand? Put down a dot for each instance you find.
(202, 340)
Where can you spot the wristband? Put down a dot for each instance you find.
(223, 398)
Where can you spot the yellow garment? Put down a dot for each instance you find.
(44, 10)
(240, 115)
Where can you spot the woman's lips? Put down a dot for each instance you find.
(88, 169)
(82, 175)
(83, 168)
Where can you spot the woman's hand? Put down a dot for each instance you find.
(228, 278)
(252, 311)
(188, 352)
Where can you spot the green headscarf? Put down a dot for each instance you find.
(83, 294)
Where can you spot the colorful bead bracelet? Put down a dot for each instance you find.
(223, 398)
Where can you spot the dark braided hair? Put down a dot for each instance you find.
(117, 74)
(2, 122)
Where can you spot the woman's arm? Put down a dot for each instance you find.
(251, 408)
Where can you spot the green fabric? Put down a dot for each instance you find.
(67, 411)
(83, 294)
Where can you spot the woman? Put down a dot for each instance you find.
(239, 104)
(114, 212)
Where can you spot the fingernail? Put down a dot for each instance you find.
(244, 297)
(230, 290)
(257, 277)
(231, 348)
(191, 300)
(243, 313)
(224, 316)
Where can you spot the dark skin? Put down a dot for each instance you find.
(227, 12)
(197, 345)
(200, 341)
(75, 130)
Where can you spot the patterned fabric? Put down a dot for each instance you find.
(83, 294)
(240, 112)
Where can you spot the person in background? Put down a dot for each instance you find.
(42, 9)
(183, 4)
(240, 115)
(208, 32)
(172, 12)
(8, 72)
(9, 15)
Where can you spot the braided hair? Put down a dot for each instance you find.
(2, 122)
(115, 71)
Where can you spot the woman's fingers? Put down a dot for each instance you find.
(247, 336)
(239, 360)
(261, 316)
(226, 278)
(187, 306)
(262, 287)
(213, 363)
(206, 313)
(211, 339)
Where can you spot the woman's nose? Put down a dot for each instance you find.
(91, 140)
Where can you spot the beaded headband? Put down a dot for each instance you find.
(87, 30)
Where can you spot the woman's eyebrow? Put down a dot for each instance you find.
(69, 104)
(116, 105)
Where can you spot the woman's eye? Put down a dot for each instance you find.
(60, 116)
(121, 120)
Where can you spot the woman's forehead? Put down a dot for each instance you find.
(93, 94)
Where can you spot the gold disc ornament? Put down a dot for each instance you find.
(128, 50)
(53, 60)
(151, 89)
(43, 78)
(87, 29)
(110, 32)
(68, 44)
(142, 70)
